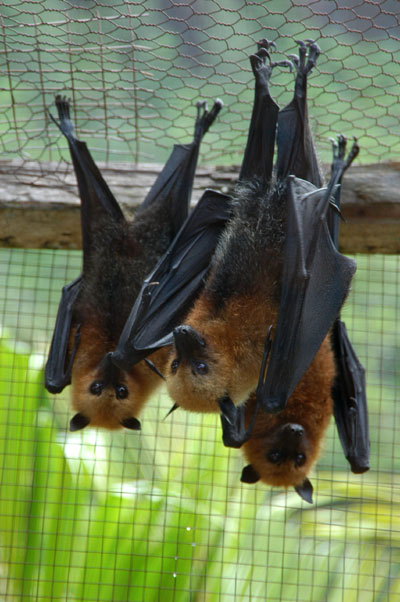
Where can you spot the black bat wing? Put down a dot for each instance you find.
(259, 153)
(168, 292)
(175, 182)
(60, 360)
(97, 204)
(350, 401)
(349, 390)
(296, 152)
(315, 282)
(97, 201)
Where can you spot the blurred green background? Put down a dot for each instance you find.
(162, 515)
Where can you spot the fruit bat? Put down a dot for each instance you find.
(349, 389)
(117, 255)
(169, 291)
(266, 271)
(283, 446)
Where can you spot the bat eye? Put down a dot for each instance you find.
(300, 459)
(274, 456)
(200, 368)
(121, 392)
(174, 366)
(96, 387)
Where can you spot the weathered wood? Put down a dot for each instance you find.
(39, 205)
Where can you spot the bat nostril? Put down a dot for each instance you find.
(296, 429)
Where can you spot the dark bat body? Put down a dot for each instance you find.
(278, 267)
(224, 333)
(283, 446)
(117, 255)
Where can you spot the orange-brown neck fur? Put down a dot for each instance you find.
(235, 344)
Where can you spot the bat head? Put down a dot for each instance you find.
(201, 368)
(284, 446)
(105, 396)
(281, 456)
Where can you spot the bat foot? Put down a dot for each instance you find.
(234, 433)
(63, 109)
(205, 118)
(267, 44)
(340, 162)
(303, 66)
(262, 71)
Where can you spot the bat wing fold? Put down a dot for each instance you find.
(350, 401)
(174, 184)
(259, 152)
(98, 204)
(315, 282)
(60, 359)
(168, 292)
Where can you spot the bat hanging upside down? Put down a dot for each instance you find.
(283, 446)
(117, 255)
(275, 266)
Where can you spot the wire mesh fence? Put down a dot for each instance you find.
(135, 69)
(162, 515)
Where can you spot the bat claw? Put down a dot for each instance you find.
(174, 407)
(263, 54)
(264, 43)
(232, 421)
(154, 368)
(314, 51)
(283, 63)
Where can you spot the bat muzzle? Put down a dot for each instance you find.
(189, 344)
(294, 437)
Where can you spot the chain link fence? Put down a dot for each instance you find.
(162, 515)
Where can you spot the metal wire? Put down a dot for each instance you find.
(135, 69)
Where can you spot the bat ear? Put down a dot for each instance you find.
(305, 491)
(78, 422)
(188, 342)
(131, 423)
(249, 475)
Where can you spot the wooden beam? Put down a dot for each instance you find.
(39, 204)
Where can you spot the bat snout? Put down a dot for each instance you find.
(294, 430)
(294, 440)
(189, 344)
